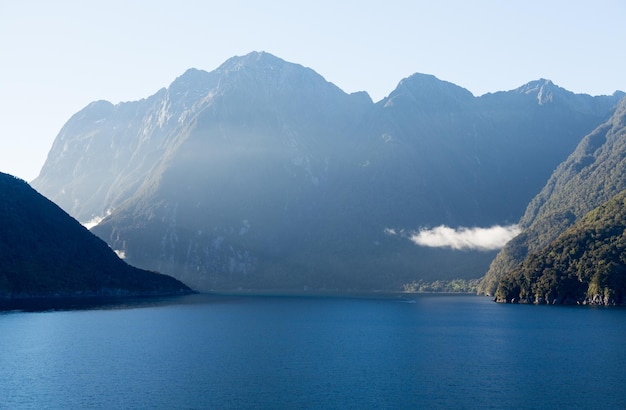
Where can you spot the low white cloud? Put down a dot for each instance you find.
(93, 222)
(462, 238)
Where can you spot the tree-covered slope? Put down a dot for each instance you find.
(591, 175)
(585, 264)
(46, 253)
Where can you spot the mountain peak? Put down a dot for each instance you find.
(428, 82)
(197, 83)
(544, 89)
(258, 59)
(191, 74)
(427, 90)
(192, 79)
(261, 70)
(536, 85)
(546, 92)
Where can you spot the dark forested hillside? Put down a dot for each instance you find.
(263, 175)
(585, 264)
(591, 175)
(46, 253)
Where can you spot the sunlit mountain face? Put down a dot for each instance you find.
(263, 175)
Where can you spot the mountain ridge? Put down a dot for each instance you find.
(47, 254)
(310, 176)
(590, 176)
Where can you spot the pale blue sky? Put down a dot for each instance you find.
(58, 56)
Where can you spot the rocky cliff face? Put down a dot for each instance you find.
(263, 175)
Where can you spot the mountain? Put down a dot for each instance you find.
(591, 175)
(263, 175)
(585, 264)
(106, 152)
(46, 253)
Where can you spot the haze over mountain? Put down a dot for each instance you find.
(263, 175)
(591, 175)
(46, 253)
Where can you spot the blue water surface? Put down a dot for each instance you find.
(221, 352)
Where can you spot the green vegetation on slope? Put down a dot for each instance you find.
(586, 264)
(46, 253)
(591, 175)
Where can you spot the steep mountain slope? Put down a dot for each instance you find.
(467, 158)
(592, 174)
(46, 253)
(586, 264)
(263, 175)
(105, 152)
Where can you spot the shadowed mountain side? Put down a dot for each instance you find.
(591, 175)
(46, 253)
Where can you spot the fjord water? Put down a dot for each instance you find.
(203, 351)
